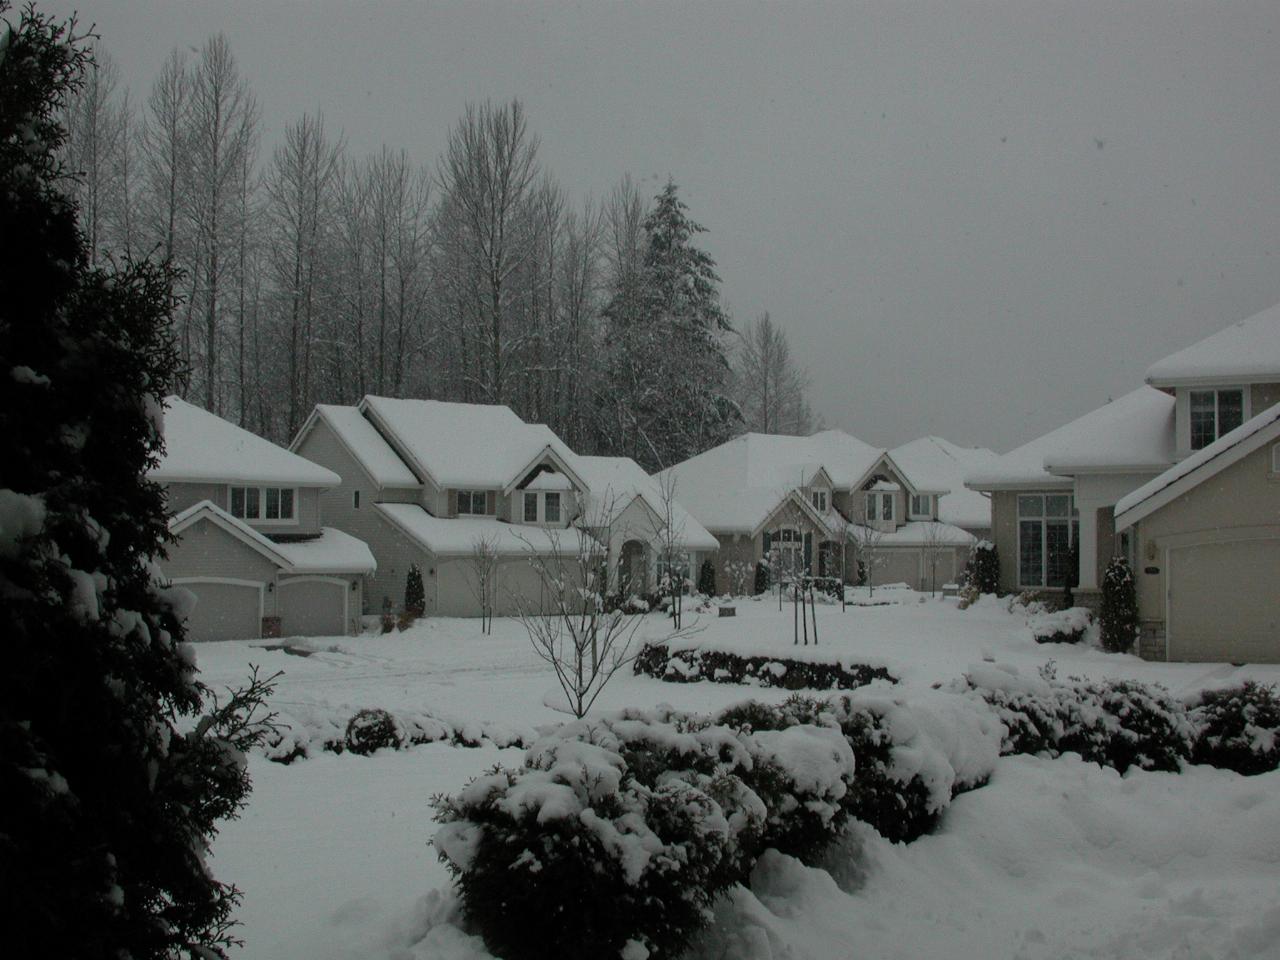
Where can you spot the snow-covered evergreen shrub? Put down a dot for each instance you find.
(415, 595)
(116, 763)
(762, 578)
(1061, 626)
(721, 666)
(983, 569)
(372, 729)
(1238, 728)
(707, 579)
(1118, 614)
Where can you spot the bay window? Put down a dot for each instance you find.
(1213, 413)
(1048, 525)
(274, 504)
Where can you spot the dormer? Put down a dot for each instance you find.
(548, 493)
(1222, 381)
(819, 491)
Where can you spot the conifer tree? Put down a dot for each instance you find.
(1118, 616)
(112, 784)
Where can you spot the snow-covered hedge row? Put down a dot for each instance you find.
(617, 835)
(1060, 626)
(723, 666)
(313, 729)
(1124, 723)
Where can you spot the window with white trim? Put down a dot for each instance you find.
(263, 504)
(473, 503)
(879, 506)
(551, 508)
(542, 507)
(675, 566)
(1048, 524)
(530, 508)
(820, 500)
(921, 505)
(1214, 413)
(789, 546)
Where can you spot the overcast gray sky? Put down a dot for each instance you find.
(974, 219)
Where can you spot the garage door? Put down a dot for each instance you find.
(897, 566)
(1224, 602)
(224, 611)
(313, 608)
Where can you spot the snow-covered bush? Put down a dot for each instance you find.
(707, 579)
(983, 570)
(1118, 615)
(372, 729)
(1061, 626)
(1238, 728)
(761, 584)
(721, 666)
(1115, 723)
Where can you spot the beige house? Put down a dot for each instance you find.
(942, 465)
(1178, 476)
(442, 486)
(824, 505)
(250, 543)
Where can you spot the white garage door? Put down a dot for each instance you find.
(1224, 602)
(313, 608)
(224, 610)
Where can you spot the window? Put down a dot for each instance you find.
(473, 502)
(819, 498)
(273, 504)
(530, 508)
(551, 508)
(1275, 458)
(921, 505)
(1213, 413)
(879, 506)
(674, 565)
(1048, 524)
(789, 545)
(355, 499)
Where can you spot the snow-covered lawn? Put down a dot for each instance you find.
(1052, 859)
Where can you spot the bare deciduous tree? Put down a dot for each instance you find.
(672, 557)
(934, 544)
(771, 391)
(484, 568)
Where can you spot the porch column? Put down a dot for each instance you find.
(1088, 547)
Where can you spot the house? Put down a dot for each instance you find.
(250, 544)
(818, 505)
(442, 486)
(1180, 477)
(942, 465)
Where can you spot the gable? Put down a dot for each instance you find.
(205, 549)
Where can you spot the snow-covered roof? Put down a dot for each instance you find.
(458, 536)
(918, 533)
(549, 480)
(1246, 352)
(465, 444)
(1133, 434)
(616, 481)
(733, 488)
(1198, 467)
(333, 551)
(201, 447)
(364, 442)
(939, 464)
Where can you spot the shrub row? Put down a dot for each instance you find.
(615, 837)
(720, 666)
(292, 737)
(1060, 626)
(1124, 723)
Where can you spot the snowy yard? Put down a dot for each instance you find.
(1055, 858)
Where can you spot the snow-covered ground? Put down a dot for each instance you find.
(1052, 859)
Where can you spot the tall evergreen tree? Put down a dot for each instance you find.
(669, 374)
(110, 796)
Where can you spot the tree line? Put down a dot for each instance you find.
(317, 274)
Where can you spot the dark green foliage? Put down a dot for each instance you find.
(371, 730)
(1071, 579)
(718, 666)
(415, 597)
(983, 570)
(1118, 616)
(1238, 728)
(108, 807)
(762, 578)
(707, 578)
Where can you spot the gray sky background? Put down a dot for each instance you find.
(974, 219)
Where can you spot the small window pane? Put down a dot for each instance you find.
(355, 499)
(1059, 550)
(530, 508)
(273, 503)
(551, 508)
(237, 502)
(464, 502)
(887, 506)
(1230, 410)
(1030, 554)
(1057, 506)
(1202, 419)
(286, 504)
(873, 507)
(251, 503)
(1030, 506)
